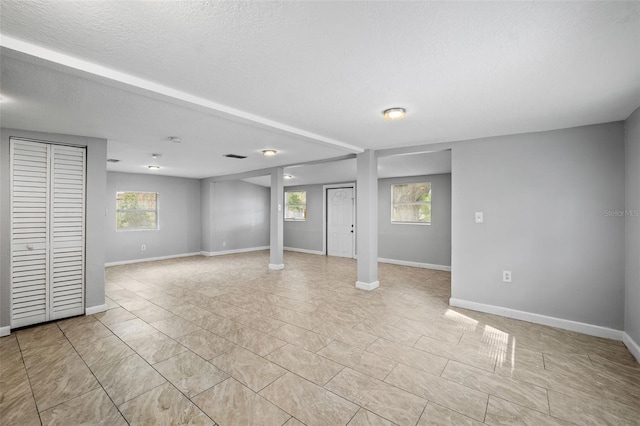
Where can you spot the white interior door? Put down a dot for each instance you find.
(340, 222)
(47, 231)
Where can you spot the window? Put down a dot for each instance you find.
(295, 205)
(411, 203)
(136, 211)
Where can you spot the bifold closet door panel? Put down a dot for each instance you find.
(67, 240)
(30, 199)
(47, 231)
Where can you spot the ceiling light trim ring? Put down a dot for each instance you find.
(395, 113)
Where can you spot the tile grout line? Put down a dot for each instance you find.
(494, 364)
(93, 374)
(429, 400)
(354, 414)
(230, 376)
(423, 410)
(321, 387)
(152, 366)
(486, 409)
(26, 371)
(548, 401)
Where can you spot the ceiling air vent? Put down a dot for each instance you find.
(112, 160)
(236, 156)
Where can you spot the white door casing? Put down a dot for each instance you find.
(340, 222)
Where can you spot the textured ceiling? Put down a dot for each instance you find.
(138, 126)
(324, 70)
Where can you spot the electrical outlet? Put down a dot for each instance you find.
(143, 247)
(224, 244)
(479, 217)
(506, 276)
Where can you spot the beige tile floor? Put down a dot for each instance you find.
(225, 340)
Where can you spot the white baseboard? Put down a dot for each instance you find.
(300, 250)
(242, 250)
(367, 286)
(90, 310)
(150, 259)
(580, 327)
(276, 267)
(633, 347)
(382, 260)
(5, 331)
(415, 264)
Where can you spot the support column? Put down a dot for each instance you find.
(367, 220)
(207, 246)
(276, 254)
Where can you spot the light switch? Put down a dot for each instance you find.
(479, 217)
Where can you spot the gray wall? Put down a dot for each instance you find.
(417, 243)
(235, 215)
(95, 231)
(412, 243)
(178, 215)
(632, 232)
(544, 197)
(306, 235)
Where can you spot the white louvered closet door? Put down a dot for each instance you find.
(66, 256)
(47, 231)
(29, 232)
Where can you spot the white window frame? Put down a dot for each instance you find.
(286, 204)
(395, 222)
(156, 211)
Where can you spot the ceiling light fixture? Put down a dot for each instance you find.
(395, 113)
(287, 177)
(269, 152)
(175, 139)
(154, 168)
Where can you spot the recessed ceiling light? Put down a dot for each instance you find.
(287, 177)
(269, 152)
(175, 139)
(395, 113)
(154, 167)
